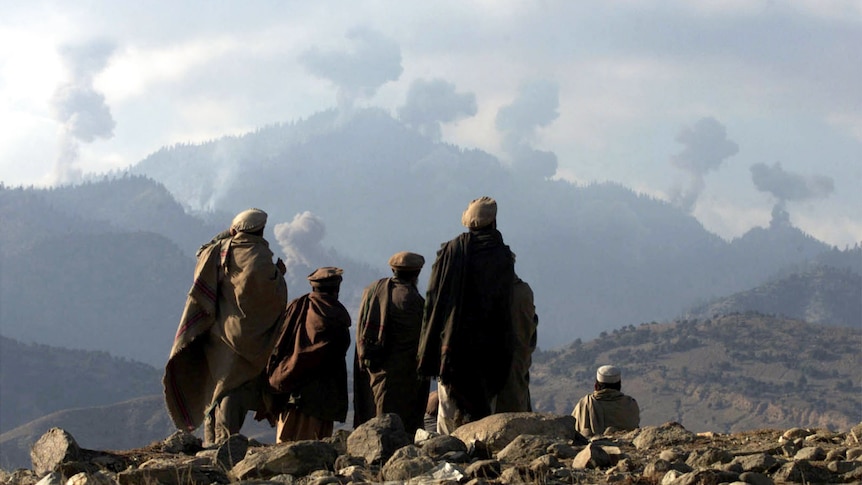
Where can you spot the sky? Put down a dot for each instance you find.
(734, 110)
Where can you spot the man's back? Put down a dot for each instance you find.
(603, 409)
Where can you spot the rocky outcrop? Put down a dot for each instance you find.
(484, 452)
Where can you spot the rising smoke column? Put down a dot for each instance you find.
(788, 186)
(432, 102)
(80, 109)
(536, 106)
(300, 240)
(358, 72)
(706, 147)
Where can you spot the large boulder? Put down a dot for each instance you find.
(297, 458)
(498, 430)
(377, 439)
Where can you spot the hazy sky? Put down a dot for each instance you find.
(725, 107)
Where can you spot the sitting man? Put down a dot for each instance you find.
(606, 407)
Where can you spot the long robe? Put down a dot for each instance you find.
(515, 395)
(466, 336)
(307, 367)
(390, 323)
(232, 315)
(596, 412)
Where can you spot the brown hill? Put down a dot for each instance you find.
(730, 373)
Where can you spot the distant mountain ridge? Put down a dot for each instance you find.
(823, 295)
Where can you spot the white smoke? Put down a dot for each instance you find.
(358, 72)
(80, 109)
(300, 239)
(536, 106)
(430, 103)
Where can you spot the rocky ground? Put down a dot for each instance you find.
(507, 448)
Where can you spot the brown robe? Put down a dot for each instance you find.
(390, 323)
(228, 327)
(307, 368)
(515, 395)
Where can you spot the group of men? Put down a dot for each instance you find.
(242, 347)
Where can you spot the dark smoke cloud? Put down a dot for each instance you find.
(430, 103)
(536, 106)
(373, 61)
(706, 148)
(789, 186)
(79, 107)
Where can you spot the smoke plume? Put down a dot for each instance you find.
(79, 107)
(430, 103)
(706, 148)
(788, 186)
(357, 73)
(535, 107)
(300, 240)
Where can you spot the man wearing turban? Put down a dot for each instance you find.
(466, 339)
(233, 314)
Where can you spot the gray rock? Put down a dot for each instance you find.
(456, 457)
(231, 451)
(357, 474)
(563, 451)
(703, 477)
(843, 467)
(811, 453)
(802, 471)
(96, 478)
(52, 478)
(592, 456)
(755, 478)
(796, 433)
(668, 434)
(672, 455)
(525, 448)
(378, 438)
(706, 457)
(54, 448)
(407, 462)
(439, 445)
(854, 436)
(484, 469)
(836, 454)
(542, 464)
(177, 471)
(498, 430)
(182, 442)
(759, 462)
(854, 454)
(296, 458)
(656, 470)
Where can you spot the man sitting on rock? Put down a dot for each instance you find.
(606, 407)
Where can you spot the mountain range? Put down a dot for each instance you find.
(105, 265)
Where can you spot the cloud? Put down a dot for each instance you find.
(432, 102)
(706, 148)
(79, 107)
(789, 186)
(373, 61)
(535, 106)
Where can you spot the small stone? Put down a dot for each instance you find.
(811, 453)
(755, 478)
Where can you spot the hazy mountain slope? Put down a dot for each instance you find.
(118, 292)
(130, 424)
(132, 204)
(733, 372)
(596, 255)
(36, 380)
(823, 295)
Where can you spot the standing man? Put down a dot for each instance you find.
(387, 338)
(515, 396)
(466, 337)
(606, 407)
(307, 370)
(232, 316)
